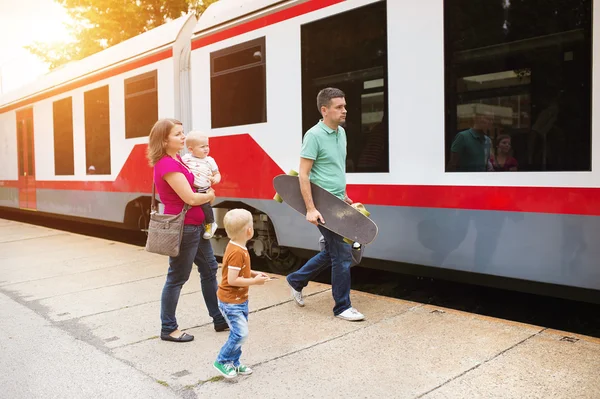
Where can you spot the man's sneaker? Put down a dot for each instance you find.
(227, 370)
(296, 295)
(243, 370)
(209, 230)
(351, 314)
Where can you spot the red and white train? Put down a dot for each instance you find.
(72, 144)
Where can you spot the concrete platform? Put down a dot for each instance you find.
(106, 296)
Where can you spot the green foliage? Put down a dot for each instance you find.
(99, 24)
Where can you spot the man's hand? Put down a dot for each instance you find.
(348, 200)
(313, 216)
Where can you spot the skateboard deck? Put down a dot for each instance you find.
(340, 217)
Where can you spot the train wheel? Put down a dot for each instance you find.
(283, 261)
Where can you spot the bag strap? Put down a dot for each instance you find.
(153, 200)
(154, 209)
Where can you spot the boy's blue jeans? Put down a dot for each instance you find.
(337, 255)
(237, 319)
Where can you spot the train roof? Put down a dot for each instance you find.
(156, 38)
(224, 11)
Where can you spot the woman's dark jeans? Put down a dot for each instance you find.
(196, 250)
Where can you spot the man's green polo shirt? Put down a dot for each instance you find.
(327, 148)
(473, 149)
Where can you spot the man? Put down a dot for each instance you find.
(470, 151)
(323, 162)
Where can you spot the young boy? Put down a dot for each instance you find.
(233, 291)
(206, 173)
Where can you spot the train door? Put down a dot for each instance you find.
(27, 194)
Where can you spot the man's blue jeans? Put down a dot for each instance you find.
(237, 319)
(336, 254)
(196, 250)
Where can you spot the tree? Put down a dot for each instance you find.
(99, 24)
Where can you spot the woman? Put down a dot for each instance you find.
(503, 161)
(174, 183)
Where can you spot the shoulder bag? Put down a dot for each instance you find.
(165, 231)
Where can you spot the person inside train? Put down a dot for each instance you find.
(175, 185)
(373, 156)
(503, 161)
(323, 162)
(470, 151)
(206, 173)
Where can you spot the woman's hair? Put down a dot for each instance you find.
(158, 138)
(500, 138)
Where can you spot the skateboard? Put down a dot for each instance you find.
(349, 221)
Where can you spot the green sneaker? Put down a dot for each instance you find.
(227, 370)
(243, 370)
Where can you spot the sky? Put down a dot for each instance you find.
(21, 23)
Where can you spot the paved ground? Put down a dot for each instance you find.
(79, 317)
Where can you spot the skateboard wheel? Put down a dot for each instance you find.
(293, 173)
(278, 198)
(361, 208)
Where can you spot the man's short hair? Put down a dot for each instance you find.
(324, 97)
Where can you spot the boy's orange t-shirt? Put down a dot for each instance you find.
(235, 257)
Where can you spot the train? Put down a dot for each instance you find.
(415, 75)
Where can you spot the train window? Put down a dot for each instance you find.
(349, 51)
(141, 104)
(518, 85)
(97, 131)
(64, 161)
(238, 88)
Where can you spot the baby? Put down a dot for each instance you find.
(206, 173)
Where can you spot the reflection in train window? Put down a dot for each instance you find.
(62, 113)
(349, 51)
(518, 85)
(97, 131)
(141, 104)
(238, 88)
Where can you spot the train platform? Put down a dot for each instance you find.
(88, 309)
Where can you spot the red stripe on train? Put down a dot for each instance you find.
(262, 22)
(582, 201)
(248, 172)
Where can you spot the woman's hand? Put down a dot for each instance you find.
(181, 186)
(211, 193)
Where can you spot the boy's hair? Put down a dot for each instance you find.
(235, 221)
(194, 137)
